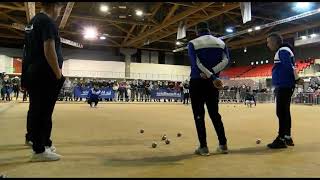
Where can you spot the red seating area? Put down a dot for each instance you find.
(261, 70)
(301, 65)
(234, 72)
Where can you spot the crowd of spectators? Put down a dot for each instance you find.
(140, 90)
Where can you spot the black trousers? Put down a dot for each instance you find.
(203, 92)
(186, 97)
(25, 95)
(43, 95)
(283, 101)
(96, 101)
(16, 90)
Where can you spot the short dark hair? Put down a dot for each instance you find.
(202, 27)
(277, 37)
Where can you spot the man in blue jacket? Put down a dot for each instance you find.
(208, 56)
(93, 96)
(284, 78)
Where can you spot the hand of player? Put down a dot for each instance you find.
(218, 84)
(203, 76)
(300, 81)
(59, 74)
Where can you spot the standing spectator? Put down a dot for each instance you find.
(134, 91)
(147, 91)
(116, 91)
(141, 90)
(186, 92)
(2, 86)
(7, 85)
(67, 86)
(16, 86)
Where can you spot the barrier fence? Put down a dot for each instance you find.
(226, 96)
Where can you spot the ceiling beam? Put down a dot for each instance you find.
(181, 4)
(154, 11)
(11, 18)
(226, 8)
(120, 21)
(30, 8)
(205, 12)
(173, 20)
(122, 29)
(12, 7)
(17, 4)
(171, 12)
(286, 36)
(128, 34)
(66, 15)
(232, 18)
(77, 33)
(114, 42)
(263, 18)
(282, 32)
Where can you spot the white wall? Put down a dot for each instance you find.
(159, 72)
(89, 68)
(6, 64)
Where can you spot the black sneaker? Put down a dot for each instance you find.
(278, 143)
(289, 141)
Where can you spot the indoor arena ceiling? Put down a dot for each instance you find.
(156, 27)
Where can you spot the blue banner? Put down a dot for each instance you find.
(108, 93)
(166, 94)
(82, 92)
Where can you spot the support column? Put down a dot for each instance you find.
(127, 53)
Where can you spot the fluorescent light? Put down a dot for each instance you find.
(267, 61)
(261, 62)
(257, 28)
(129, 15)
(139, 12)
(250, 30)
(122, 17)
(229, 30)
(303, 37)
(313, 35)
(90, 33)
(104, 8)
(123, 7)
(102, 37)
(178, 43)
(257, 62)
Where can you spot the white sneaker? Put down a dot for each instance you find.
(52, 148)
(222, 149)
(47, 155)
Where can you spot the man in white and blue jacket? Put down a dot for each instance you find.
(284, 78)
(208, 56)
